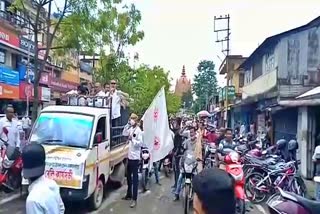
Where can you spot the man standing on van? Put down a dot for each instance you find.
(134, 133)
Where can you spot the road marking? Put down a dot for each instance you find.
(261, 209)
(10, 198)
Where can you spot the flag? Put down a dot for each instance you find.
(157, 135)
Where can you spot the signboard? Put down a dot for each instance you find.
(27, 44)
(66, 174)
(62, 85)
(65, 165)
(9, 76)
(9, 38)
(231, 93)
(45, 94)
(9, 92)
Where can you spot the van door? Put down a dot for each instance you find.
(104, 147)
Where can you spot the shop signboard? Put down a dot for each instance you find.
(27, 44)
(22, 68)
(9, 91)
(45, 94)
(231, 93)
(62, 85)
(9, 38)
(27, 90)
(9, 76)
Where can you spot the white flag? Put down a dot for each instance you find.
(157, 135)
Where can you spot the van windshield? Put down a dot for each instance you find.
(64, 129)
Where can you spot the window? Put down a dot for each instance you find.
(101, 127)
(61, 129)
(2, 56)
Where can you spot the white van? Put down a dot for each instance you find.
(81, 155)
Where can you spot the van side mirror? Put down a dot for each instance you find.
(97, 138)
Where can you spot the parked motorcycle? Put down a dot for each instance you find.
(259, 186)
(10, 168)
(210, 155)
(145, 166)
(189, 169)
(234, 168)
(289, 203)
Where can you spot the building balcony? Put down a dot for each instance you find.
(260, 85)
(11, 21)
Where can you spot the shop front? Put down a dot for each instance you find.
(26, 93)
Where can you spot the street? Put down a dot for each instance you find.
(158, 200)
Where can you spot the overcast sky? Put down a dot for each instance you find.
(180, 32)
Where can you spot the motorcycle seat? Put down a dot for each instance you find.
(261, 161)
(312, 206)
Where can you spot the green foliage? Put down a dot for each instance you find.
(204, 84)
(112, 25)
(187, 99)
(142, 84)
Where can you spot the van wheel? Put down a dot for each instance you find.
(96, 198)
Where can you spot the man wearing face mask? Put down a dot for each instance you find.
(134, 133)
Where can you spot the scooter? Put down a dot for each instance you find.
(145, 166)
(10, 168)
(290, 203)
(235, 169)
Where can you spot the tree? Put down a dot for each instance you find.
(204, 84)
(142, 84)
(110, 26)
(38, 21)
(187, 99)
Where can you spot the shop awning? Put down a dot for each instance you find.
(312, 92)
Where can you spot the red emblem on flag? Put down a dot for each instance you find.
(156, 143)
(156, 114)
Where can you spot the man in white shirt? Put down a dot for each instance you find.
(44, 193)
(26, 125)
(99, 90)
(9, 131)
(134, 133)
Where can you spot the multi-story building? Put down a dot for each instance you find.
(17, 49)
(283, 67)
(235, 81)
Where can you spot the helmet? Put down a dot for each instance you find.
(293, 145)
(34, 160)
(281, 144)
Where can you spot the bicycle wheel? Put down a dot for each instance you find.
(256, 189)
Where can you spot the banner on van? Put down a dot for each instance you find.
(157, 134)
(65, 166)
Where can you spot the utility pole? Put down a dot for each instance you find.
(28, 67)
(225, 51)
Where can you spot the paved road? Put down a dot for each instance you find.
(156, 201)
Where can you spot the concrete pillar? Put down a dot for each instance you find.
(302, 137)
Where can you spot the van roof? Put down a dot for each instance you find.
(94, 111)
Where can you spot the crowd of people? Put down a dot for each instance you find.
(44, 194)
(209, 198)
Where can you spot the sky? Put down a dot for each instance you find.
(181, 32)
